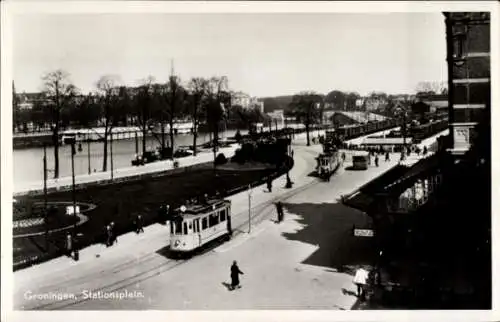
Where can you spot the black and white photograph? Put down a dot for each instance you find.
(244, 157)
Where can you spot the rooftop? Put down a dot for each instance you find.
(202, 207)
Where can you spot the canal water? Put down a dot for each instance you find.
(28, 163)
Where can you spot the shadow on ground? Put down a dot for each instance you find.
(329, 226)
(351, 168)
(313, 174)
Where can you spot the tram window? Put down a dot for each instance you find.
(213, 219)
(223, 215)
(178, 227)
(185, 228)
(204, 223)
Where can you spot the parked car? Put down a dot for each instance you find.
(146, 157)
(181, 153)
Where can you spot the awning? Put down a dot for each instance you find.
(392, 183)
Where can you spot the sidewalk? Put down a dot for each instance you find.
(121, 173)
(153, 167)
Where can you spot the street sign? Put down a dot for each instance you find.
(363, 232)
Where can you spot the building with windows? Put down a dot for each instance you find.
(246, 101)
(468, 47)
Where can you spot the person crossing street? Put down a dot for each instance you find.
(279, 211)
(235, 276)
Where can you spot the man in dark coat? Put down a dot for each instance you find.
(235, 275)
(109, 236)
(139, 225)
(279, 210)
(270, 184)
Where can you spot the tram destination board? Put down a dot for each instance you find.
(363, 233)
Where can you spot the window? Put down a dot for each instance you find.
(213, 219)
(223, 215)
(204, 223)
(466, 115)
(478, 38)
(185, 228)
(178, 227)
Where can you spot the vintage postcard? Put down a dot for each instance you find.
(299, 161)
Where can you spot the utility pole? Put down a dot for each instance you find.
(73, 152)
(249, 208)
(111, 150)
(45, 212)
(88, 152)
(136, 144)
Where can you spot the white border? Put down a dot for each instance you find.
(68, 7)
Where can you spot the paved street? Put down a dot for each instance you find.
(291, 265)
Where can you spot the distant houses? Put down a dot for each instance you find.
(246, 101)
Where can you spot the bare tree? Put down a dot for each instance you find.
(143, 104)
(107, 86)
(305, 106)
(59, 89)
(218, 98)
(174, 95)
(198, 90)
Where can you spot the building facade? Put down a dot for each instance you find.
(468, 47)
(246, 101)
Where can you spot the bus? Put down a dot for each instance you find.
(360, 161)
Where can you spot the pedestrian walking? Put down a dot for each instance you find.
(376, 160)
(360, 279)
(425, 150)
(279, 211)
(69, 244)
(139, 225)
(270, 184)
(114, 239)
(235, 275)
(387, 157)
(109, 236)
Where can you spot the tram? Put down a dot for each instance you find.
(327, 164)
(194, 226)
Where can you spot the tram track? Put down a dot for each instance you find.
(259, 214)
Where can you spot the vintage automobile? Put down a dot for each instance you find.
(146, 157)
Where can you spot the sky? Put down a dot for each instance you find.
(261, 54)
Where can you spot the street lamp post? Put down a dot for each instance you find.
(111, 151)
(45, 197)
(73, 152)
(88, 152)
(249, 208)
